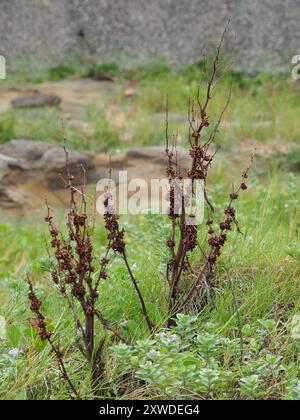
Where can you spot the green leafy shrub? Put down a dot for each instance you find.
(156, 69)
(96, 69)
(61, 72)
(188, 361)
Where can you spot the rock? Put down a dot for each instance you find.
(117, 161)
(29, 159)
(75, 95)
(102, 76)
(53, 164)
(13, 198)
(4, 165)
(148, 153)
(4, 169)
(157, 155)
(24, 154)
(36, 100)
(145, 163)
(30, 169)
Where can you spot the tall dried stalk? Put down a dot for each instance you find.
(184, 235)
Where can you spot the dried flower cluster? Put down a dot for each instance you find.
(184, 238)
(78, 279)
(46, 334)
(75, 276)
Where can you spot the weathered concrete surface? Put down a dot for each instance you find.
(264, 33)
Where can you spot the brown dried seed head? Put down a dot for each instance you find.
(234, 196)
(170, 243)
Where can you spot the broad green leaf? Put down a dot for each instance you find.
(190, 361)
(293, 250)
(13, 335)
(295, 327)
(21, 395)
(132, 326)
(39, 344)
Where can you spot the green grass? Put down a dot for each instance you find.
(7, 125)
(111, 69)
(61, 72)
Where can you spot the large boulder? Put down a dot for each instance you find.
(146, 162)
(30, 169)
(157, 155)
(36, 100)
(14, 198)
(24, 160)
(4, 165)
(23, 154)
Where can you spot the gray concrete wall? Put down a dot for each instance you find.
(264, 34)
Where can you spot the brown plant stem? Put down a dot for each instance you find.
(45, 334)
(63, 370)
(137, 289)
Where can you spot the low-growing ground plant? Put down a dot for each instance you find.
(194, 360)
